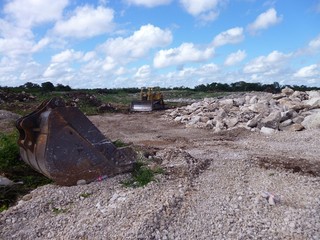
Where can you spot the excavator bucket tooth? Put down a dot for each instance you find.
(61, 143)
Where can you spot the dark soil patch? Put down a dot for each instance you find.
(295, 165)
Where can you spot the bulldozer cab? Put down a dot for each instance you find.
(150, 95)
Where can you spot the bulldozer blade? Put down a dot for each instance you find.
(141, 106)
(61, 143)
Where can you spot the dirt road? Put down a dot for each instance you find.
(212, 188)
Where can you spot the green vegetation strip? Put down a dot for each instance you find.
(142, 175)
(12, 167)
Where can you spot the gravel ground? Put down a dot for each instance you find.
(213, 189)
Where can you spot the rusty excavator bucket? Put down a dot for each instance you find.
(61, 143)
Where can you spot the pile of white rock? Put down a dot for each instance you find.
(287, 111)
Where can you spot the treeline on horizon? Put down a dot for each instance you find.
(240, 86)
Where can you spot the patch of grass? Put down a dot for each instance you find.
(85, 195)
(9, 151)
(59, 210)
(120, 97)
(141, 175)
(118, 143)
(87, 109)
(12, 167)
(3, 208)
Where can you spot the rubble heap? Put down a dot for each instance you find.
(289, 110)
(10, 97)
(78, 98)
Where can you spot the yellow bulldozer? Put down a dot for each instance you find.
(149, 100)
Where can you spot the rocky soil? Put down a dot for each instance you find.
(221, 181)
(290, 110)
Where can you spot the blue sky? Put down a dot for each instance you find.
(135, 43)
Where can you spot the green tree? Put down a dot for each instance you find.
(30, 85)
(47, 87)
(62, 88)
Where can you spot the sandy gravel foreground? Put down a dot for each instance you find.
(213, 189)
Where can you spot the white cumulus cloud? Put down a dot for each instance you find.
(315, 43)
(145, 77)
(312, 48)
(89, 56)
(200, 6)
(265, 20)
(15, 40)
(268, 65)
(86, 22)
(209, 16)
(108, 64)
(99, 66)
(28, 13)
(231, 36)
(235, 58)
(32, 70)
(192, 76)
(148, 3)
(10, 30)
(138, 44)
(60, 69)
(308, 71)
(207, 70)
(186, 52)
(56, 70)
(67, 56)
(41, 44)
(143, 72)
(15, 46)
(205, 10)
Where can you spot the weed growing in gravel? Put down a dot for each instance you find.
(59, 210)
(141, 175)
(118, 143)
(85, 195)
